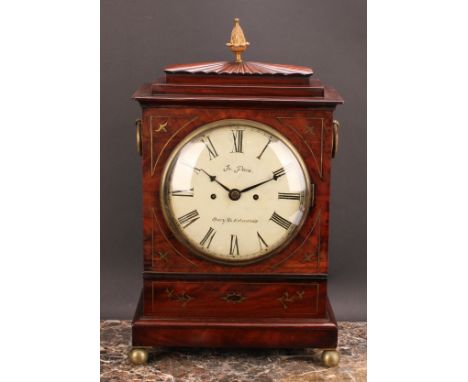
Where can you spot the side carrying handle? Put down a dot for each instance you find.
(138, 135)
(335, 140)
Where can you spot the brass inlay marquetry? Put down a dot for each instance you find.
(162, 127)
(310, 130)
(317, 222)
(154, 221)
(234, 297)
(309, 256)
(161, 256)
(287, 298)
(182, 298)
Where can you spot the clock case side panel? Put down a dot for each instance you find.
(308, 129)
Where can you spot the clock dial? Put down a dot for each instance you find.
(235, 190)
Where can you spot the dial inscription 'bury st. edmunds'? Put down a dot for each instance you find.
(235, 215)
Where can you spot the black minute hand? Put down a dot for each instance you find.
(276, 174)
(213, 179)
(256, 185)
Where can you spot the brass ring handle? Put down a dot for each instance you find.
(138, 135)
(335, 139)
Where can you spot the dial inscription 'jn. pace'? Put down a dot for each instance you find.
(235, 215)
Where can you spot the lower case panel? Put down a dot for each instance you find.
(259, 326)
(234, 299)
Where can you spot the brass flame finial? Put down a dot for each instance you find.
(238, 44)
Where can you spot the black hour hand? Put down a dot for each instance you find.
(213, 179)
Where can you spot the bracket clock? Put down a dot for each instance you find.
(236, 161)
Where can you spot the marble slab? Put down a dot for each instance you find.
(233, 366)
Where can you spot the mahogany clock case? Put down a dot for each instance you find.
(311, 134)
(277, 301)
(137, 50)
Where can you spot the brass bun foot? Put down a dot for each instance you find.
(138, 356)
(330, 358)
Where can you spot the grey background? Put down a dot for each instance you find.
(140, 37)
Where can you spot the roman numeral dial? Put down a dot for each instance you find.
(279, 173)
(290, 195)
(207, 239)
(234, 246)
(232, 192)
(261, 242)
(237, 136)
(188, 218)
(187, 193)
(282, 222)
(264, 148)
(210, 147)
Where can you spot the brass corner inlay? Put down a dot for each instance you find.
(162, 127)
(183, 298)
(316, 222)
(160, 256)
(309, 256)
(154, 253)
(287, 298)
(234, 297)
(309, 129)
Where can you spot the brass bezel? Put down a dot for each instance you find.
(164, 191)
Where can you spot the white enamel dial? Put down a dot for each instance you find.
(235, 190)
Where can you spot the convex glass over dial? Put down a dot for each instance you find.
(235, 190)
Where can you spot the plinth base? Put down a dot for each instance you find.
(154, 332)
